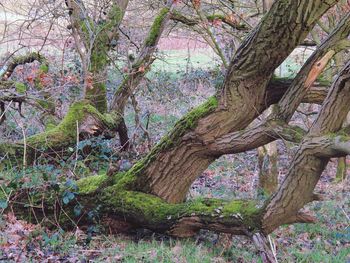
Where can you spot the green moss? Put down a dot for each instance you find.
(342, 135)
(50, 126)
(215, 16)
(44, 68)
(50, 122)
(20, 87)
(115, 15)
(91, 184)
(156, 27)
(63, 134)
(28, 58)
(99, 58)
(99, 54)
(191, 118)
(154, 210)
(3, 196)
(188, 122)
(295, 132)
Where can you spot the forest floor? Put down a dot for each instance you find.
(326, 241)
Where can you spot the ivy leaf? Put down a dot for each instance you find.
(65, 200)
(77, 210)
(3, 204)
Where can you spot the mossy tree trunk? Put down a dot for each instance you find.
(94, 40)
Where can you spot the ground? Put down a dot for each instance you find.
(326, 241)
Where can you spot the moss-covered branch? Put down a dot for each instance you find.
(141, 209)
(20, 60)
(15, 91)
(142, 63)
(178, 17)
(82, 118)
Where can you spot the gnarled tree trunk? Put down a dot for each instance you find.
(183, 155)
(152, 192)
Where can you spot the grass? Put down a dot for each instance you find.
(178, 60)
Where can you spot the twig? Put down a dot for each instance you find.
(76, 150)
(3, 113)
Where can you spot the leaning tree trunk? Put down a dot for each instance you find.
(173, 165)
(138, 69)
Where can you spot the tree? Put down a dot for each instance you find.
(152, 193)
(95, 37)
